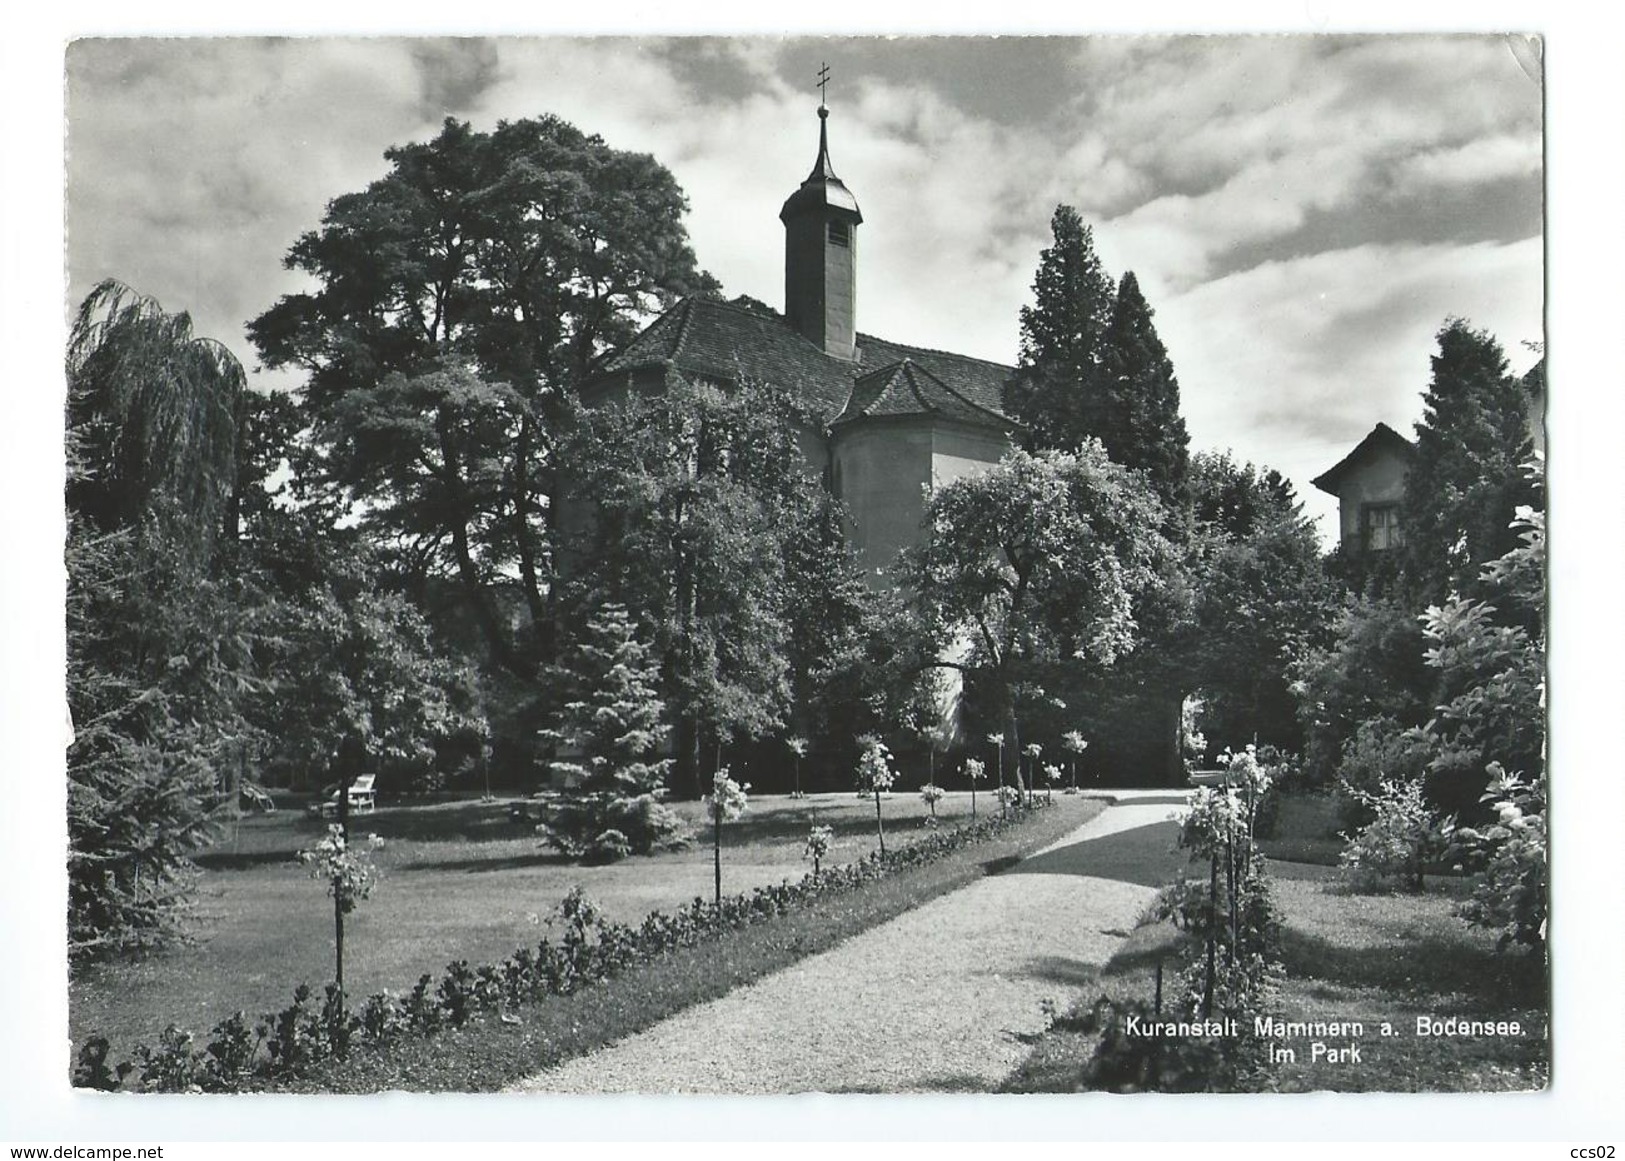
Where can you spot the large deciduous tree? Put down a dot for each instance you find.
(457, 302)
(1046, 559)
(699, 498)
(1262, 601)
(1467, 481)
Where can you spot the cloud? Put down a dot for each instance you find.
(1292, 362)
(1301, 211)
(1487, 159)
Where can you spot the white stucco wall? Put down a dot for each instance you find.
(1380, 480)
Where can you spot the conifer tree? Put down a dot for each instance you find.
(1138, 405)
(1467, 482)
(611, 733)
(1054, 392)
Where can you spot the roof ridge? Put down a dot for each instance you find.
(962, 397)
(917, 388)
(936, 351)
(686, 305)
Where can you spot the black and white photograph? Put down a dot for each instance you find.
(760, 565)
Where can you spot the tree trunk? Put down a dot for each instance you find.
(338, 944)
(880, 827)
(1212, 933)
(1176, 740)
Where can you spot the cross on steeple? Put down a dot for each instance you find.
(823, 83)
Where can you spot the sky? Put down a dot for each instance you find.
(1303, 215)
(1303, 212)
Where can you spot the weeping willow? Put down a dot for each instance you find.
(152, 416)
(158, 655)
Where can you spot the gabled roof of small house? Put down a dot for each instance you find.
(1382, 439)
(907, 388)
(727, 343)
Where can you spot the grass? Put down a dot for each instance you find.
(461, 881)
(1393, 958)
(1373, 958)
(1306, 831)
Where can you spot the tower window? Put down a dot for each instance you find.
(840, 234)
(1382, 526)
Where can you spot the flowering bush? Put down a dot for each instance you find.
(1379, 750)
(1190, 732)
(798, 750)
(728, 799)
(1507, 859)
(932, 794)
(819, 841)
(1492, 663)
(350, 873)
(1075, 745)
(1009, 796)
(1214, 819)
(975, 771)
(726, 802)
(875, 775)
(1401, 836)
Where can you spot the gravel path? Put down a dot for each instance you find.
(942, 998)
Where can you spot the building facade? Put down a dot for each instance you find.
(1369, 484)
(889, 419)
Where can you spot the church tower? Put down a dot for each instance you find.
(821, 256)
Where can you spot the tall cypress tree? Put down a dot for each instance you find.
(1467, 482)
(1138, 405)
(1055, 390)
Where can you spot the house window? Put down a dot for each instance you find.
(1382, 526)
(840, 234)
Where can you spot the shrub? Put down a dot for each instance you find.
(1507, 860)
(819, 841)
(1381, 750)
(295, 1039)
(1401, 837)
(91, 1069)
(589, 950)
(233, 1053)
(173, 1066)
(382, 1018)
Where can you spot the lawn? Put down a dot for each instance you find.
(1371, 958)
(459, 881)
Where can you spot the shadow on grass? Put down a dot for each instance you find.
(1422, 963)
(476, 864)
(1143, 856)
(224, 860)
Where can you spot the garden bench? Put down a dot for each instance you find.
(363, 798)
(258, 799)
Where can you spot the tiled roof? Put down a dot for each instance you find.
(906, 388)
(708, 339)
(1382, 436)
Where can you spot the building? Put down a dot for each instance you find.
(891, 418)
(1369, 484)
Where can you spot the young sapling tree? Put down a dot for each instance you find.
(726, 802)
